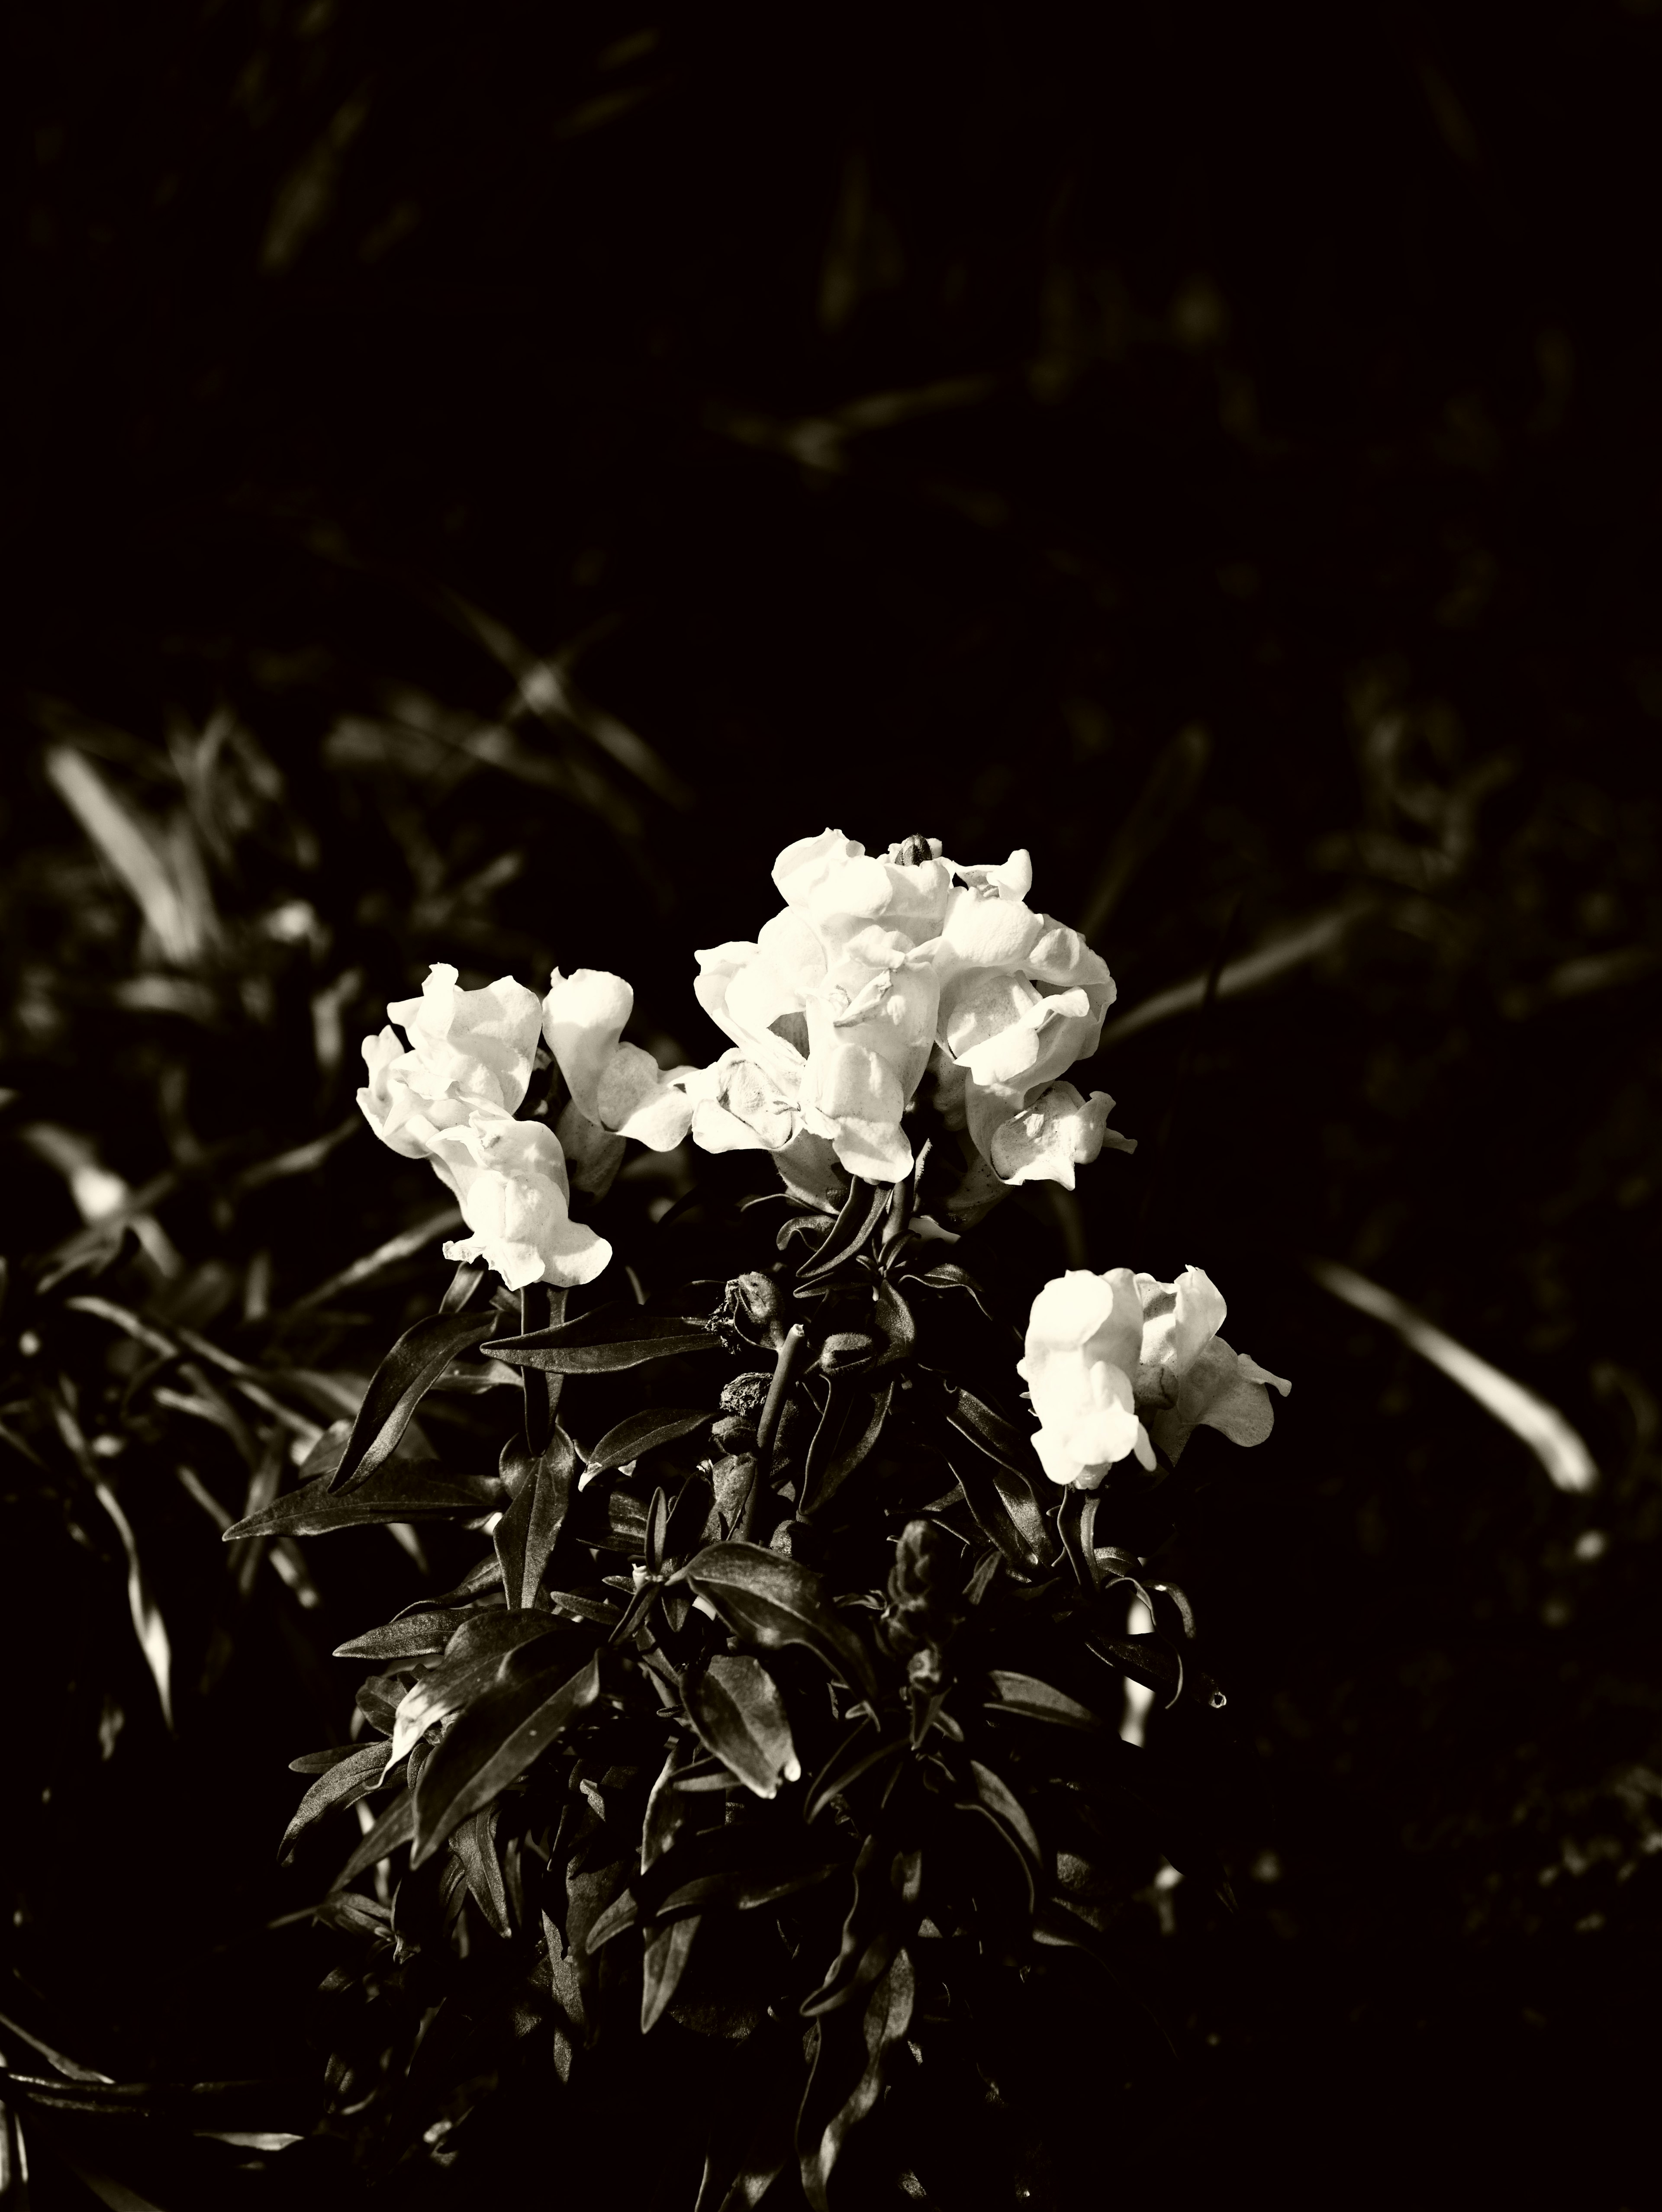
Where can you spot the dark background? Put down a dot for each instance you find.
(486, 477)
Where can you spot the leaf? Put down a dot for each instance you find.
(737, 1865)
(858, 1755)
(643, 1432)
(665, 1951)
(612, 1337)
(526, 1535)
(984, 1495)
(474, 1843)
(392, 1830)
(1002, 1801)
(864, 1207)
(493, 1743)
(396, 1493)
(146, 1616)
(475, 1658)
(822, 2132)
(773, 1601)
(469, 1274)
(417, 1633)
(1012, 1459)
(892, 1317)
(363, 1769)
(319, 1762)
(1037, 1701)
(1152, 1661)
(398, 1385)
(886, 1883)
(736, 1706)
(947, 1275)
(833, 1456)
(542, 1305)
(478, 1581)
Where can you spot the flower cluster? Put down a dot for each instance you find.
(451, 1098)
(877, 971)
(874, 973)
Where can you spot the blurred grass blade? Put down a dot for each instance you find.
(170, 892)
(404, 1246)
(1173, 781)
(545, 691)
(1289, 949)
(148, 1624)
(1542, 1427)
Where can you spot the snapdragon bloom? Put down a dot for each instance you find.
(1118, 1363)
(448, 1098)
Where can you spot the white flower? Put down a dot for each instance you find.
(1116, 1364)
(1188, 1377)
(466, 1048)
(617, 1086)
(1084, 1336)
(833, 1007)
(510, 1179)
(1050, 1135)
(477, 1046)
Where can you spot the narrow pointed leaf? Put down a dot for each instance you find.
(866, 1205)
(947, 1275)
(1026, 1695)
(985, 1496)
(319, 1762)
(417, 1635)
(996, 1794)
(542, 1305)
(835, 1452)
(493, 1743)
(834, 2106)
(474, 1843)
(614, 1336)
(773, 1601)
(527, 1532)
(736, 1706)
(395, 1493)
(472, 1662)
(363, 1770)
(643, 1432)
(736, 1865)
(893, 1318)
(665, 1951)
(392, 1830)
(398, 1385)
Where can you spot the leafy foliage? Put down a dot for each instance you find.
(841, 1747)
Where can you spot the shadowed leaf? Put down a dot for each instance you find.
(474, 1657)
(739, 1714)
(773, 1601)
(363, 1769)
(616, 1336)
(644, 1432)
(835, 2104)
(398, 1385)
(835, 1453)
(527, 1532)
(1036, 1700)
(392, 1830)
(400, 1494)
(493, 1743)
(864, 1207)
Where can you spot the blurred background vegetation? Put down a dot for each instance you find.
(484, 477)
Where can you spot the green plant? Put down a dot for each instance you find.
(779, 1729)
